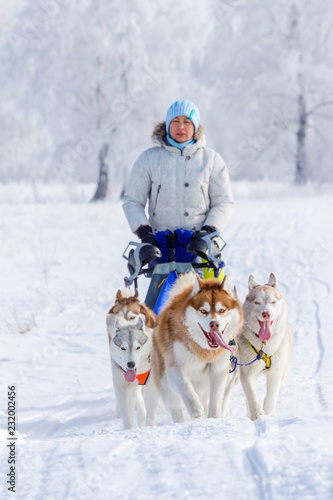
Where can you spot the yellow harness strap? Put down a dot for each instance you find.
(265, 357)
(209, 273)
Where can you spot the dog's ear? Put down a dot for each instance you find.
(136, 295)
(235, 294)
(252, 283)
(225, 285)
(111, 310)
(272, 280)
(110, 322)
(149, 315)
(196, 285)
(139, 323)
(119, 295)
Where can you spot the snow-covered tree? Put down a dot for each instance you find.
(96, 75)
(83, 82)
(271, 81)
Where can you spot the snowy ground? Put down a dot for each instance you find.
(60, 268)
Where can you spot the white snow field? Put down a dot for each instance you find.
(61, 266)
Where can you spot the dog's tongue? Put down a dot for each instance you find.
(265, 330)
(130, 375)
(218, 336)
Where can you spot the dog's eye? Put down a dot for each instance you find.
(256, 302)
(123, 349)
(273, 302)
(203, 311)
(138, 348)
(221, 311)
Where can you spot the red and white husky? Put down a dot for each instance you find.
(266, 327)
(191, 351)
(128, 306)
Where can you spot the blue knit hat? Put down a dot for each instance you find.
(183, 108)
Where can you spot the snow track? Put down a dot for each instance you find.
(61, 267)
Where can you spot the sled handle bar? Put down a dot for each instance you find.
(209, 240)
(135, 253)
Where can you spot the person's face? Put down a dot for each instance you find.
(181, 129)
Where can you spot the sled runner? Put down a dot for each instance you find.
(177, 253)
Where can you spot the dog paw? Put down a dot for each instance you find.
(197, 411)
(150, 422)
(225, 413)
(256, 413)
(214, 414)
(269, 411)
(269, 408)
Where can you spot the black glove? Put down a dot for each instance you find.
(146, 235)
(203, 232)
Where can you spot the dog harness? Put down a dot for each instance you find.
(143, 377)
(261, 355)
(264, 356)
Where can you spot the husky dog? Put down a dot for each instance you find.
(130, 324)
(190, 355)
(128, 306)
(130, 349)
(265, 328)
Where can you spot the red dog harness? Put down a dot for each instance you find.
(143, 377)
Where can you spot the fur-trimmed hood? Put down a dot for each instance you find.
(159, 133)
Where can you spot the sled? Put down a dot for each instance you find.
(176, 254)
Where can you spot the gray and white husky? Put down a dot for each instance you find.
(130, 348)
(265, 327)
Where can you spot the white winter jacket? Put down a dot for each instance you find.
(185, 189)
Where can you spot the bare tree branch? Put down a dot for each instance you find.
(318, 106)
(329, 117)
(318, 131)
(323, 43)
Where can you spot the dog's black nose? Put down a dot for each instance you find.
(214, 325)
(131, 364)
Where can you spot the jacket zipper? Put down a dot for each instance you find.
(158, 191)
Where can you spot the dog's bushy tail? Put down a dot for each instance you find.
(183, 281)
